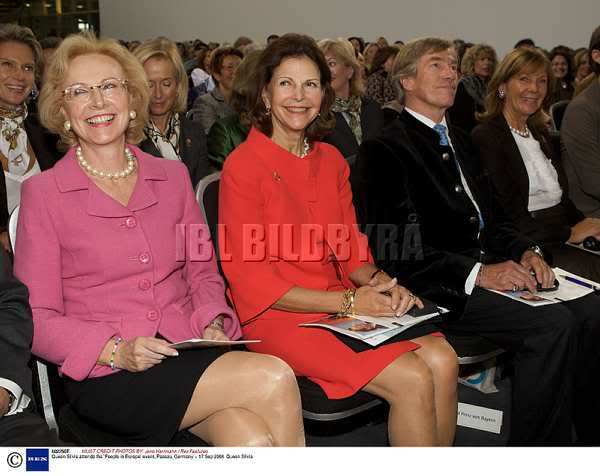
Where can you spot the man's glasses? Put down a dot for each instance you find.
(109, 88)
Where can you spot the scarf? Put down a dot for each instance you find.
(476, 88)
(13, 139)
(167, 143)
(350, 108)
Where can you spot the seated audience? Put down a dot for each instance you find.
(357, 117)
(561, 88)
(109, 290)
(528, 180)
(169, 133)
(581, 140)
(23, 148)
(477, 67)
(215, 105)
(19, 425)
(283, 174)
(423, 172)
(379, 88)
(358, 44)
(369, 52)
(229, 132)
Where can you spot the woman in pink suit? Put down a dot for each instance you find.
(109, 287)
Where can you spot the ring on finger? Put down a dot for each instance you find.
(515, 288)
(412, 296)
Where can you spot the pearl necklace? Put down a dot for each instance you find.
(128, 170)
(305, 149)
(520, 132)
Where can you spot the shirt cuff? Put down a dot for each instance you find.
(21, 400)
(471, 279)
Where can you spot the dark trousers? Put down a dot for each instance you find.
(26, 429)
(544, 342)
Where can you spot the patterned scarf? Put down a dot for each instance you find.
(350, 108)
(167, 143)
(13, 139)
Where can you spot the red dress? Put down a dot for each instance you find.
(283, 220)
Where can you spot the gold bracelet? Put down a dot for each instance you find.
(347, 307)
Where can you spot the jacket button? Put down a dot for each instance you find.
(152, 315)
(144, 257)
(445, 156)
(473, 220)
(144, 284)
(131, 222)
(458, 189)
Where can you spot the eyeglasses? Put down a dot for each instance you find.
(8, 66)
(109, 88)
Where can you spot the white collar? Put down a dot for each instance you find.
(425, 120)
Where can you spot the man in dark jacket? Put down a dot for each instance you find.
(421, 176)
(19, 425)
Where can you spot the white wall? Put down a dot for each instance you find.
(498, 22)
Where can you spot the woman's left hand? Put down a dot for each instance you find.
(402, 299)
(215, 330)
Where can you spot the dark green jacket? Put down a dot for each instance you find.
(224, 136)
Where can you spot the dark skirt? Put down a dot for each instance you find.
(145, 408)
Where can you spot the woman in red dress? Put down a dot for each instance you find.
(292, 254)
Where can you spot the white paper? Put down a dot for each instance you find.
(479, 418)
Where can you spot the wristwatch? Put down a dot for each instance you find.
(537, 250)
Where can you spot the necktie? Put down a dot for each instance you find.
(441, 130)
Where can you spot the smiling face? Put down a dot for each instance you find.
(16, 73)
(431, 91)
(560, 66)
(163, 86)
(99, 120)
(294, 96)
(525, 92)
(341, 74)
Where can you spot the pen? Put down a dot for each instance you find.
(580, 283)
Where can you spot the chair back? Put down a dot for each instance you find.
(557, 112)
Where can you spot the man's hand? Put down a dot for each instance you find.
(506, 276)
(583, 229)
(534, 263)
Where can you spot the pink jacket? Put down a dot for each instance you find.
(97, 269)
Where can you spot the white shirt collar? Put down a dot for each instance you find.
(425, 120)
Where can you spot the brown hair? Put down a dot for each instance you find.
(475, 52)
(23, 35)
(515, 62)
(219, 55)
(382, 56)
(344, 51)
(291, 45)
(166, 49)
(51, 98)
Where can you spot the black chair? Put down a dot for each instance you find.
(557, 112)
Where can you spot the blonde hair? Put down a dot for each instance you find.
(475, 52)
(344, 51)
(166, 49)
(515, 62)
(52, 98)
(405, 64)
(21, 34)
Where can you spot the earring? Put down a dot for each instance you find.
(34, 93)
(501, 93)
(268, 109)
(132, 115)
(67, 126)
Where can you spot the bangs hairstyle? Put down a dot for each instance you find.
(291, 45)
(405, 64)
(52, 99)
(21, 34)
(344, 51)
(166, 49)
(514, 63)
(481, 50)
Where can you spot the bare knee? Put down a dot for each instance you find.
(443, 361)
(407, 377)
